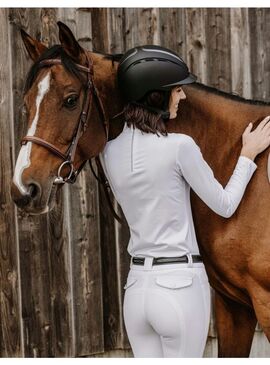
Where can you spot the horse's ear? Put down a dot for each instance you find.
(69, 43)
(33, 46)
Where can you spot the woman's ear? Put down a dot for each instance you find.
(33, 47)
(70, 44)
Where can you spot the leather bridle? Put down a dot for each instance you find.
(68, 157)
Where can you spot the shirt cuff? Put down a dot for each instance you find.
(249, 161)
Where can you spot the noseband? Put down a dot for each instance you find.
(68, 157)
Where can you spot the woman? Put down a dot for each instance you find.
(167, 297)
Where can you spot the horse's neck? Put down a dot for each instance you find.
(216, 123)
(105, 80)
(212, 118)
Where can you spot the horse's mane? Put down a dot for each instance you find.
(58, 51)
(108, 56)
(116, 57)
(229, 96)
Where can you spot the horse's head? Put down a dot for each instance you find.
(66, 120)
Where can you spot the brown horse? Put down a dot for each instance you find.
(236, 251)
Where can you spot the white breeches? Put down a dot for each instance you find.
(167, 309)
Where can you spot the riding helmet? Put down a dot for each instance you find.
(147, 68)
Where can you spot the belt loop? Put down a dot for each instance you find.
(148, 263)
(190, 261)
(131, 263)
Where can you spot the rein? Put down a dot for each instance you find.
(90, 92)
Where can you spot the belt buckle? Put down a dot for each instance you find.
(190, 260)
(148, 263)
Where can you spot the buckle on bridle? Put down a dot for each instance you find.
(62, 180)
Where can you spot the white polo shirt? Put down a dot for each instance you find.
(151, 177)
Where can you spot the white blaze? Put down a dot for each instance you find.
(23, 160)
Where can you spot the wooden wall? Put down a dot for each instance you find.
(62, 274)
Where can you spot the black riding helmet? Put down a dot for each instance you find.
(147, 68)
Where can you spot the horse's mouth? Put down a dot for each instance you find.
(45, 204)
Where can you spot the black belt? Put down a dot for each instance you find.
(167, 260)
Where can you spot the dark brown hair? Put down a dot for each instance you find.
(145, 120)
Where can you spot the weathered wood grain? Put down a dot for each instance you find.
(218, 48)
(108, 242)
(141, 27)
(10, 310)
(115, 44)
(116, 22)
(259, 20)
(196, 43)
(62, 274)
(172, 22)
(240, 52)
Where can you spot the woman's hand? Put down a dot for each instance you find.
(256, 141)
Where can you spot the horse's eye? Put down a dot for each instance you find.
(71, 101)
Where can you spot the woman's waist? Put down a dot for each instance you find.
(165, 262)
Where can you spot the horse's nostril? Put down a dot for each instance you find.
(33, 190)
(22, 201)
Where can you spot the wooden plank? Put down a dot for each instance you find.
(61, 314)
(84, 27)
(115, 44)
(61, 297)
(218, 48)
(10, 309)
(110, 271)
(49, 29)
(86, 265)
(84, 231)
(116, 21)
(196, 43)
(111, 305)
(260, 51)
(173, 21)
(123, 262)
(240, 52)
(141, 27)
(61, 320)
(99, 29)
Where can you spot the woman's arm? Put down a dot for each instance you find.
(199, 175)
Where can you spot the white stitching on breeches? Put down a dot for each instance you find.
(167, 310)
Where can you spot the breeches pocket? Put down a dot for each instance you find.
(174, 281)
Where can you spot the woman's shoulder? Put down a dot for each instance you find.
(182, 139)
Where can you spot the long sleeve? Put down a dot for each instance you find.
(200, 177)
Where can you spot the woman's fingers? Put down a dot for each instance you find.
(263, 123)
(267, 125)
(248, 129)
